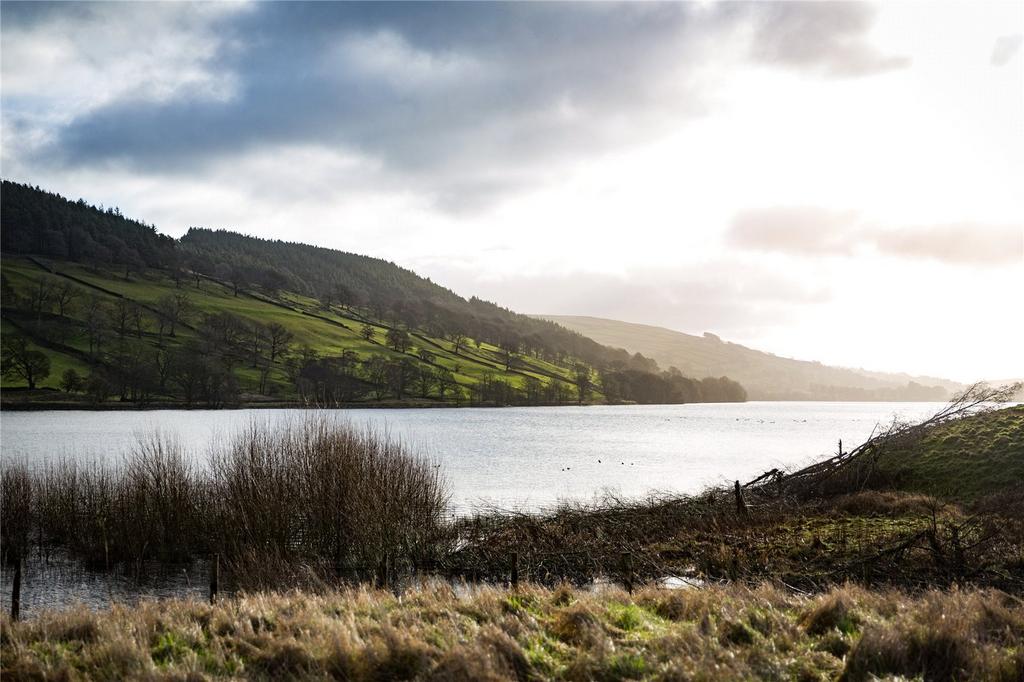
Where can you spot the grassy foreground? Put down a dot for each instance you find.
(716, 633)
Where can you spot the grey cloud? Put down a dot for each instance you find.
(437, 92)
(1005, 48)
(815, 231)
(827, 37)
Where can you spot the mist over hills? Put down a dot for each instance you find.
(764, 375)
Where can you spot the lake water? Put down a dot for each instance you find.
(528, 458)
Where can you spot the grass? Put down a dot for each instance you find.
(59, 363)
(534, 633)
(964, 459)
(339, 332)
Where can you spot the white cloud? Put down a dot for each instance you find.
(1005, 48)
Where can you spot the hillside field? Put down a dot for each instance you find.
(326, 330)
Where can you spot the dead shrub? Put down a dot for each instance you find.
(834, 611)
(578, 624)
(283, 660)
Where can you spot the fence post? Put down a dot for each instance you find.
(214, 578)
(741, 504)
(627, 571)
(515, 569)
(382, 573)
(16, 591)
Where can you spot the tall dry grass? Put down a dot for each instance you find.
(436, 633)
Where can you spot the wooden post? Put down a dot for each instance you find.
(214, 577)
(382, 573)
(515, 569)
(741, 504)
(627, 571)
(16, 591)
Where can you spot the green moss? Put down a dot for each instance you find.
(169, 648)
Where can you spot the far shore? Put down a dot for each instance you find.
(42, 406)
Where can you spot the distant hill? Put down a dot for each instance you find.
(765, 376)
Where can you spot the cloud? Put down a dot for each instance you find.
(823, 37)
(808, 230)
(1005, 48)
(963, 243)
(794, 229)
(463, 103)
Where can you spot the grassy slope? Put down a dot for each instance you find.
(964, 459)
(760, 373)
(59, 363)
(492, 634)
(301, 315)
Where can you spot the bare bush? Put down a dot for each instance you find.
(316, 496)
(322, 490)
(15, 511)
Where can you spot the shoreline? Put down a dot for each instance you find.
(28, 406)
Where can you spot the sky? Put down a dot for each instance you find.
(831, 181)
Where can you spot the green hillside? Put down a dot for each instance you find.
(765, 376)
(478, 373)
(107, 309)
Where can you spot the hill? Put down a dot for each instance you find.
(765, 376)
(103, 307)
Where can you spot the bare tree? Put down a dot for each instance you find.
(137, 317)
(119, 316)
(94, 324)
(279, 337)
(64, 294)
(257, 340)
(41, 295)
(174, 309)
(458, 341)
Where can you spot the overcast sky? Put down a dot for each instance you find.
(840, 182)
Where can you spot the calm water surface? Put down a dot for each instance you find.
(523, 457)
